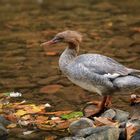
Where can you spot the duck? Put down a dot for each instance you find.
(93, 72)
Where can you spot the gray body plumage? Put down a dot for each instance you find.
(97, 73)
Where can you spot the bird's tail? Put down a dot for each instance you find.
(134, 72)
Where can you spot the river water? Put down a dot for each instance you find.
(108, 27)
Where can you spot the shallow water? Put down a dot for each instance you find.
(109, 27)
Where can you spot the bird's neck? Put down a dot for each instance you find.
(68, 56)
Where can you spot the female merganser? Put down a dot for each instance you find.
(93, 72)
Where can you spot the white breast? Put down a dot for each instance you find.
(86, 86)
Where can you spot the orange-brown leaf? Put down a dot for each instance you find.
(11, 117)
(130, 130)
(41, 119)
(51, 53)
(50, 88)
(99, 121)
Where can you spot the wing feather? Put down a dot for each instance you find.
(101, 64)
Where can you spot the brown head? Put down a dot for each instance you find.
(71, 37)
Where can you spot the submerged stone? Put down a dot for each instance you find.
(80, 124)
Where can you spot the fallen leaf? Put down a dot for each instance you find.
(34, 109)
(12, 125)
(50, 137)
(63, 125)
(41, 119)
(99, 121)
(11, 117)
(20, 113)
(44, 127)
(136, 29)
(130, 130)
(51, 53)
(50, 88)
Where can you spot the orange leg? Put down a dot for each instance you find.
(100, 107)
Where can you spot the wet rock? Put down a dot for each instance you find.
(109, 114)
(121, 115)
(80, 124)
(104, 133)
(3, 131)
(4, 121)
(86, 132)
(73, 138)
(134, 122)
(122, 135)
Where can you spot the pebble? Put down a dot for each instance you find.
(80, 124)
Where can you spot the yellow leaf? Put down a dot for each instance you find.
(20, 113)
(26, 117)
(33, 108)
